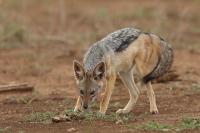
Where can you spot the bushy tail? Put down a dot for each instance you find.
(164, 62)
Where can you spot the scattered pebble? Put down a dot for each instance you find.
(71, 130)
(119, 122)
(61, 118)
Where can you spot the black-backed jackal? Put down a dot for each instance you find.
(123, 52)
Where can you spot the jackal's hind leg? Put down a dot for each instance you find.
(141, 69)
(127, 78)
(152, 99)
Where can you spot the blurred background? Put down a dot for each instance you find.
(40, 38)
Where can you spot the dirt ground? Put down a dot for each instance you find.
(40, 39)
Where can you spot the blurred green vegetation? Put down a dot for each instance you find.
(35, 21)
(185, 124)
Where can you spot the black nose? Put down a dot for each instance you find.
(85, 106)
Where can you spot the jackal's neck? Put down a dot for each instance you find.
(94, 55)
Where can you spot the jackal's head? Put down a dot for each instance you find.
(89, 83)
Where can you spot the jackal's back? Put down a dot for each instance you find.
(112, 43)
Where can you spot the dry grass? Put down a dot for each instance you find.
(176, 24)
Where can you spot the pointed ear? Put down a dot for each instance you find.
(78, 70)
(99, 71)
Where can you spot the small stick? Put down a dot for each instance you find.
(16, 87)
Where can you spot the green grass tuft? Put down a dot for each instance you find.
(5, 130)
(196, 87)
(190, 123)
(156, 126)
(1, 130)
(40, 116)
(186, 123)
(92, 116)
(12, 35)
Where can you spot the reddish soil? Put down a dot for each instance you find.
(46, 62)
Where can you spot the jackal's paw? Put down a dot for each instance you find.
(122, 111)
(101, 112)
(154, 111)
(77, 109)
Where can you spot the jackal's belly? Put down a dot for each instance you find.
(123, 65)
(124, 61)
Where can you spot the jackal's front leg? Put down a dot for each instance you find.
(78, 106)
(107, 94)
(127, 78)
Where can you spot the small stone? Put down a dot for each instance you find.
(56, 119)
(119, 122)
(61, 118)
(71, 130)
(165, 130)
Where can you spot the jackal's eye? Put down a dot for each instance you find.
(92, 92)
(98, 77)
(81, 92)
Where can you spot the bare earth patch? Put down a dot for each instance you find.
(38, 45)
